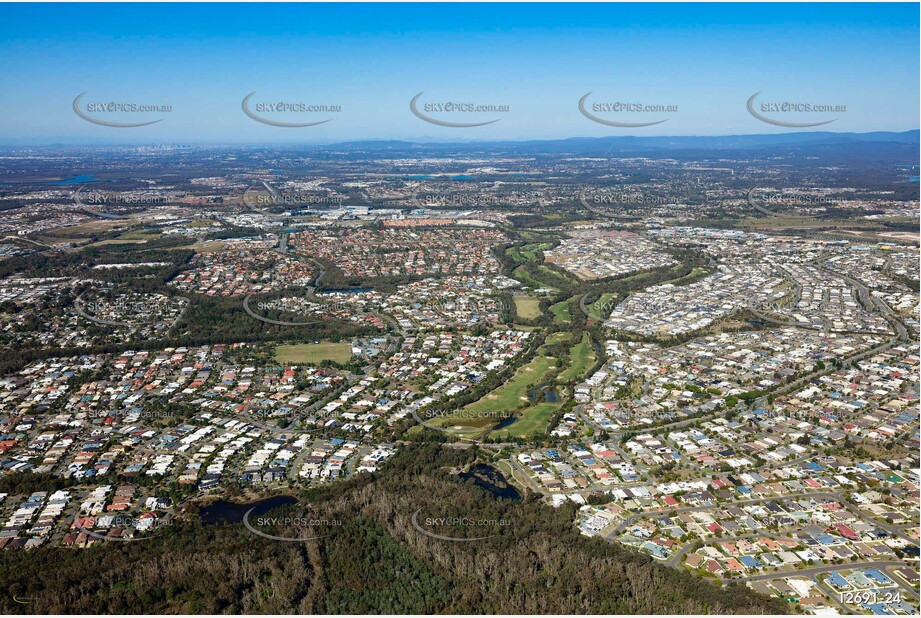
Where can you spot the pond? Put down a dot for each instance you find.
(493, 481)
(224, 512)
(541, 392)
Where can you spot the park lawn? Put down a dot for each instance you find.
(527, 253)
(595, 309)
(138, 234)
(525, 277)
(558, 337)
(511, 394)
(581, 357)
(695, 273)
(206, 246)
(505, 399)
(116, 241)
(530, 251)
(549, 272)
(314, 352)
(515, 254)
(561, 312)
(531, 420)
(527, 307)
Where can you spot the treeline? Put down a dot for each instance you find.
(26, 483)
(373, 560)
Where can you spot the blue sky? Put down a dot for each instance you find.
(371, 59)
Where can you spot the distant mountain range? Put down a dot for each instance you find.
(639, 143)
(883, 144)
(879, 146)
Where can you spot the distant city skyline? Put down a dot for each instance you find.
(531, 64)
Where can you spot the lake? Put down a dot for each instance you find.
(76, 180)
(223, 512)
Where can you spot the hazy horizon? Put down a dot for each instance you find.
(363, 65)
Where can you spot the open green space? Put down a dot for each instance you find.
(696, 273)
(511, 394)
(531, 420)
(530, 251)
(558, 337)
(561, 312)
(525, 277)
(527, 307)
(472, 420)
(314, 352)
(581, 358)
(527, 253)
(597, 309)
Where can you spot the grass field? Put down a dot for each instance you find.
(597, 309)
(86, 229)
(549, 272)
(581, 357)
(485, 413)
(530, 251)
(207, 246)
(531, 420)
(511, 394)
(314, 352)
(525, 277)
(515, 254)
(561, 312)
(527, 253)
(695, 274)
(117, 241)
(527, 307)
(559, 336)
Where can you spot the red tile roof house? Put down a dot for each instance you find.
(734, 565)
(847, 532)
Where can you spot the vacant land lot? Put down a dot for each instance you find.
(527, 307)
